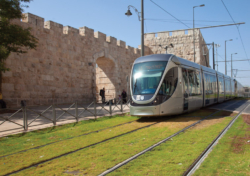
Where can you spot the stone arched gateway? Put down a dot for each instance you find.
(106, 76)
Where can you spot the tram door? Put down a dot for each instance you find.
(185, 89)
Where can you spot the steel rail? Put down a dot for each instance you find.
(153, 146)
(194, 166)
(40, 146)
(68, 153)
(157, 144)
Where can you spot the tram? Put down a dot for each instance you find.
(164, 84)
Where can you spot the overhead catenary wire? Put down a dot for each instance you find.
(169, 13)
(178, 22)
(237, 29)
(153, 19)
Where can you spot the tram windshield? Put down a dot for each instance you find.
(146, 77)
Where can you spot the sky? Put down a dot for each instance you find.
(108, 17)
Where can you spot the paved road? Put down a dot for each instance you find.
(233, 105)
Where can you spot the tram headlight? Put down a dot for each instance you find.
(155, 101)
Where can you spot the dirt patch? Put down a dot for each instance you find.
(226, 113)
(201, 112)
(246, 119)
(208, 123)
(178, 122)
(239, 142)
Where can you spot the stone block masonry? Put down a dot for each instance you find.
(63, 67)
(182, 41)
(74, 64)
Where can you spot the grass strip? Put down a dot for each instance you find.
(94, 160)
(231, 155)
(176, 155)
(24, 141)
(12, 163)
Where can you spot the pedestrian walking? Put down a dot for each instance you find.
(124, 96)
(102, 94)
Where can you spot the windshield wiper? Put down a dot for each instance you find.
(135, 86)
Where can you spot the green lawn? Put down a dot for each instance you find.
(231, 156)
(95, 159)
(23, 141)
(175, 156)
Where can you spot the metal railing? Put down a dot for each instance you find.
(55, 112)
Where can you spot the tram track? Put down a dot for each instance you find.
(71, 152)
(105, 140)
(154, 145)
(85, 134)
(194, 166)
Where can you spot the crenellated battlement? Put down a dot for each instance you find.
(68, 64)
(37, 21)
(70, 30)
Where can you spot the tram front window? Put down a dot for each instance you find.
(146, 77)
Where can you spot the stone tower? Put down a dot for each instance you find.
(182, 41)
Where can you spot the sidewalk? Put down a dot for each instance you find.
(42, 116)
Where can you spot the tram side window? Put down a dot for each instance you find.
(192, 85)
(170, 82)
(198, 82)
(214, 86)
(221, 87)
(185, 81)
(208, 84)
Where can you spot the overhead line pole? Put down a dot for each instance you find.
(213, 57)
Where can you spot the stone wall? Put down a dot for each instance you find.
(74, 64)
(63, 68)
(182, 41)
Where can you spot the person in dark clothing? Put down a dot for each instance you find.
(102, 94)
(2, 103)
(124, 96)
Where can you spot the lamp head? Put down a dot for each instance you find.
(230, 40)
(128, 13)
(202, 5)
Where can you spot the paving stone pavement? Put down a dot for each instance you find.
(64, 114)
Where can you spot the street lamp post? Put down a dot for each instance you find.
(226, 55)
(193, 28)
(232, 64)
(141, 18)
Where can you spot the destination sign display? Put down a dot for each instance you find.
(151, 66)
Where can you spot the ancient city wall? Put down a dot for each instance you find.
(62, 69)
(72, 64)
(182, 41)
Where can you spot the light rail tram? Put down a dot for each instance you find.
(164, 84)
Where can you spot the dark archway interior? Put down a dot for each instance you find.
(106, 76)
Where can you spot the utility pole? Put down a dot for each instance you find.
(213, 57)
(217, 45)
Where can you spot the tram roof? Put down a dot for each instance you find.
(153, 57)
(188, 63)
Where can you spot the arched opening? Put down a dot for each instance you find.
(107, 77)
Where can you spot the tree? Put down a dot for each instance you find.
(13, 38)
